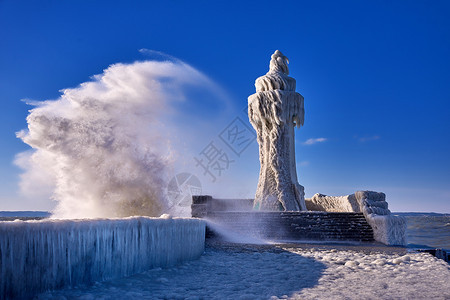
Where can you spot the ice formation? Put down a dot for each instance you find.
(274, 110)
(321, 202)
(387, 228)
(36, 256)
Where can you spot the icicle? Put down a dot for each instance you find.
(41, 255)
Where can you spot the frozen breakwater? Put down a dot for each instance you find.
(36, 256)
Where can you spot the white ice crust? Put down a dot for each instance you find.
(321, 202)
(274, 110)
(42, 255)
(387, 228)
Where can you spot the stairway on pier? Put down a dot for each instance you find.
(236, 215)
(330, 226)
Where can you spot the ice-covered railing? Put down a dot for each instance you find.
(387, 228)
(42, 255)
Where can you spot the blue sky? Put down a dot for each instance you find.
(375, 76)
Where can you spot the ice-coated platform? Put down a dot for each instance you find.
(236, 215)
(279, 226)
(36, 256)
(363, 216)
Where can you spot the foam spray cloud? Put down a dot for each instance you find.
(104, 146)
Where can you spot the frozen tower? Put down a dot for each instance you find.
(274, 110)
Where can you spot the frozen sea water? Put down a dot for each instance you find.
(239, 271)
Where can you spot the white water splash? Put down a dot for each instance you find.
(227, 234)
(105, 148)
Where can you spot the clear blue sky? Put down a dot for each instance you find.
(375, 76)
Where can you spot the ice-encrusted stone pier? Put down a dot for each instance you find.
(362, 216)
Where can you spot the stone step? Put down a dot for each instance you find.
(328, 233)
(296, 225)
(293, 215)
(304, 236)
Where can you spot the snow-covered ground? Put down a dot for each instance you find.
(233, 271)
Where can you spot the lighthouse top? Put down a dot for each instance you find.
(277, 78)
(279, 63)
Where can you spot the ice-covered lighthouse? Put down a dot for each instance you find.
(274, 111)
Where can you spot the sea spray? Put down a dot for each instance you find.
(105, 148)
(227, 234)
